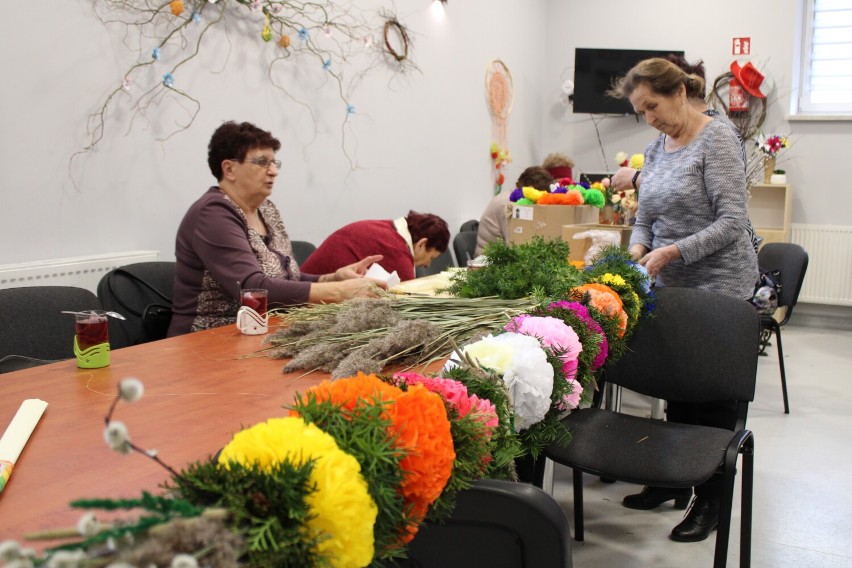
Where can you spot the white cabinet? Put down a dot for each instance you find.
(770, 211)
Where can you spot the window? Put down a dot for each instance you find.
(825, 63)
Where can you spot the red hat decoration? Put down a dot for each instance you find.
(750, 78)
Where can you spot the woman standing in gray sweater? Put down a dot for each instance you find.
(691, 231)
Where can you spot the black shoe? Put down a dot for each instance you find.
(653, 497)
(700, 521)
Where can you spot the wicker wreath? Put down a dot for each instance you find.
(748, 122)
(393, 26)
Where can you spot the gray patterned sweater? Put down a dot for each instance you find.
(696, 198)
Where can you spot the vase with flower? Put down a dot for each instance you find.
(769, 147)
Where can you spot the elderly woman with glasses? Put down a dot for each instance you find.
(233, 238)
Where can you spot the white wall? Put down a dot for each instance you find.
(704, 32)
(420, 140)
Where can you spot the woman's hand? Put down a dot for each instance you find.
(637, 251)
(357, 287)
(622, 179)
(657, 259)
(356, 269)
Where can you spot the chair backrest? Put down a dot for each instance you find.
(792, 261)
(302, 250)
(464, 247)
(32, 329)
(498, 524)
(471, 225)
(696, 346)
(441, 263)
(124, 290)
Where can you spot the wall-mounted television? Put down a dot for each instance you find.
(595, 70)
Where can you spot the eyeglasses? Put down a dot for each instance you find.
(264, 162)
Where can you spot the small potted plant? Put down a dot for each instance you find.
(778, 177)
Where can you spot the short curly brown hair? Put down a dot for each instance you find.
(428, 226)
(232, 141)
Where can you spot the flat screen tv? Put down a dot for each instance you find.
(595, 70)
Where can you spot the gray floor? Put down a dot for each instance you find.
(803, 477)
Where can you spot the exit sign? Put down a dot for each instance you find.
(741, 46)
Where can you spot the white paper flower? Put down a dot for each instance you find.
(526, 372)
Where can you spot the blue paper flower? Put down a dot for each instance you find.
(155, 53)
(350, 109)
(196, 17)
(168, 80)
(304, 34)
(326, 64)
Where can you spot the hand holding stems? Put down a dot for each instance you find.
(347, 282)
(654, 261)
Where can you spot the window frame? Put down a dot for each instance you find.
(800, 102)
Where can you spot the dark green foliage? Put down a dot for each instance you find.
(538, 267)
(269, 504)
(363, 433)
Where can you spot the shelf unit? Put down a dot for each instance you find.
(770, 211)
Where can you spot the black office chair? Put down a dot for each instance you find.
(302, 250)
(471, 225)
(464, 247)
(33, 331)
(142, 293)
(792, 262)
(441, 263)
(498, 524)
(698, 346)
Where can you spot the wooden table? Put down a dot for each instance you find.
(200, 389)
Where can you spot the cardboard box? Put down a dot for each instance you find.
(579, 247)
(547, 221)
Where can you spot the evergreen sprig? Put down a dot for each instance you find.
(538, 267)
(363, 433)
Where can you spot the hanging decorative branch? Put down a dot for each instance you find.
(166, 35)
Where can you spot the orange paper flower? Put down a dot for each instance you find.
(605, 300)
(419, 418)
(420, 426)
(347, 392)
(177, 7)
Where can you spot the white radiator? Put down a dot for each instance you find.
(83, 271)
(829, 276)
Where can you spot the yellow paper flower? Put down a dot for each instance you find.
(610, 279)
(637, 161)
(533, 194)
(343, 511)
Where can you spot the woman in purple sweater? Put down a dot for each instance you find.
(233, 238)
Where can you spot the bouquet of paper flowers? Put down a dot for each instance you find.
(562, 192)
(348, 473)
(770, 146)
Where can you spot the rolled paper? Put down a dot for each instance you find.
(16, 435)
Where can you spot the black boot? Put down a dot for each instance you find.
(653, 497)
(700, 521)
